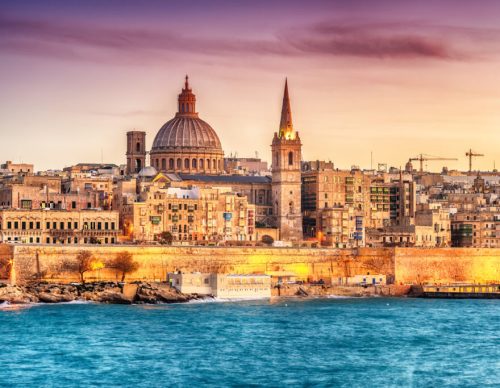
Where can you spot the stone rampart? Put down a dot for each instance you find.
(447, 265)
(404, 265)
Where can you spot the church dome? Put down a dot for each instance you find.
(186, 132)
(186, 143)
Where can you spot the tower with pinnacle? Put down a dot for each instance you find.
(286, 176)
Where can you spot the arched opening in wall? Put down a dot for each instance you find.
(138, 165)
(208, 164)
(201, 163)
(214, 164)
(138, 147)
(276, 160)
(164, 164)
(179, 163)
(186, 164)
(171, 163)
(290, 207)
(220, 164)
(290, 158)
(194, 163)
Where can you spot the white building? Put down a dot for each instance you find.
(222, 286)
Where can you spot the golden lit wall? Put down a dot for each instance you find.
(447, 265)
(407, 265)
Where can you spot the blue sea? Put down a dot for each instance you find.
(352, 342)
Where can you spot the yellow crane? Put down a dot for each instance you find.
(471, 154)
(424, 158)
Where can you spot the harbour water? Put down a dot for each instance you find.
(322, 342)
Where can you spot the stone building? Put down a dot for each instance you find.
(286, 151)
(136, 152)
(189, 214)
(17, 168)
(186, 143)
(478, 229)
(59, 226)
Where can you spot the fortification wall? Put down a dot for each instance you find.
(447, 265)
(404, 265)
(45, 262)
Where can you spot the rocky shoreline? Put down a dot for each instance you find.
(154, 293)
(103, 292)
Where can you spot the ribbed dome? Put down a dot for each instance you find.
(187, 131)
(186, 143)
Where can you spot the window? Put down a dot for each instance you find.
(69, 224)
(138, 147)
(194, 163)
(16, 225)
(186, 163)
(75, 225)
(290, 158)
(38, 224)
(31, 224)
(61, 225)
(73, 205)
(106, 225)
(179, 163)
(208, 164)
(164, 164)
(171, 164)
(26, 204)
(112, 226)
(99, 226)
(201, 163)
(9, 225)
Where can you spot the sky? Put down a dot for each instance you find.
(370, 82)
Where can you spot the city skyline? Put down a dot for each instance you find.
(393, 79)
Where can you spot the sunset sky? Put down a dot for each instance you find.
(396, 78)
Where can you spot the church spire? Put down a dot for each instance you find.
(286, 126)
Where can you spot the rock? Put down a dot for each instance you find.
(47, 297)
(16, 295)
(114, 298)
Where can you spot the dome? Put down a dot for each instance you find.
(187, 144)
(186, 132)
(148, 172)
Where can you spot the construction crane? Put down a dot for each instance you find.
(471, 154)
(424, 158)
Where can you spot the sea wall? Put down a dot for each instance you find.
(447, 265)
(400, 265)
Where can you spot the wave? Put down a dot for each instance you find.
(6, 306)
(224, 300)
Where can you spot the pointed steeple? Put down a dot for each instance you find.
(286, 126)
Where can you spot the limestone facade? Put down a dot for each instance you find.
(286, 150)
(189, 214)
(59, 227)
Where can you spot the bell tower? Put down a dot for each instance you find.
(136, 151)
(286, 174)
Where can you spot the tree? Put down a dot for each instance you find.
(83, 263)
(5, 267)
(268, 240)
(165, 238)
(124, 263)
